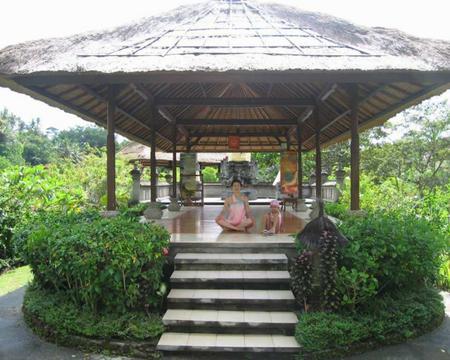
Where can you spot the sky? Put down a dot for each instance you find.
(24, 20)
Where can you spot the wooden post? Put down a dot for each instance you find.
(188, 143)
(174, 161)
(354, 149)
(318, 154)
(300, 163)
(153, 179)
(111, 151)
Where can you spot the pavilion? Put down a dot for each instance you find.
(185, 81)
(272, 75)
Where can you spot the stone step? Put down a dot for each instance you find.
(173, 342)
(232, 279)
(230, 261)
(225, 321)
(259, 244)
(231, 299)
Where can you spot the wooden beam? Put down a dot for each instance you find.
(153, 175)
(236, 122)
(168, 116)
(242, 134)
(327, 92)
(349, 111)
(354, 149)
(120, 110)
(111, 150)
(318, 154)
(299, 161)
(148, 96)
(234, 102)
(174, 160)
(294, 76)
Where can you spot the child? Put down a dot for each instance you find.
(272, 220)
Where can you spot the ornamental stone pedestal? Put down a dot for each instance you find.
(174, 206)
(136, 187)
(153, 211)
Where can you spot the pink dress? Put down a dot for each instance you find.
(236, 212)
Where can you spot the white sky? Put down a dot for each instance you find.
(24, 20)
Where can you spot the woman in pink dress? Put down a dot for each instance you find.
(236, 214)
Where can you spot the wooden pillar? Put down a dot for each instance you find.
(110, 151)
(318, 154)
(188, 143)
(299, 161)
(174, 160)
(354, 149)
(153, 179)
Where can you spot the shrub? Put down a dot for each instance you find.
(444, 274)
(102, 263)
(24, 190)
(388, 319)
(337, 210)
(67, 319)
(388, 251)
(210, 174)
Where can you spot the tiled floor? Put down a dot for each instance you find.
(200, 220)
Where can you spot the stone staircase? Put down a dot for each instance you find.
(234, 304)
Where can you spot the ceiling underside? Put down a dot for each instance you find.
(262, 112)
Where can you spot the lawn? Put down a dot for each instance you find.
(14, 279)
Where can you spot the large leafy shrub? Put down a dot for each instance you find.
(112, 264)
(389, 251)
(391, 318)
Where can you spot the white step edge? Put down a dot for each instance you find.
(209, 295)
(229, 275)
(231, 317)
(176, 341)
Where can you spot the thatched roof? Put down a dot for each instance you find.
(136, 152)
(231, 67)
(245, 34)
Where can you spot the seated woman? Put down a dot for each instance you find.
(272, 220)
(236, 214)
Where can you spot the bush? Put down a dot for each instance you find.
(388, 251)
(210, 174)
(64, 318)
(389, 319)
(23, 191)
(112, 264)
(337, 210)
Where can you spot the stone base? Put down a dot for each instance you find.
(301, 206)
(109, 213)
(174, 206)
(153, 211)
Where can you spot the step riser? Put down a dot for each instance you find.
(199, 266)
(204, 327)
(212, 352)
(231, 304)
(288, 249)
(226, 354)
(265, 284)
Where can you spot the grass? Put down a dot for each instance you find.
(14, 279)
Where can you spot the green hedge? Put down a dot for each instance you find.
(64, 318)
(386, 320)
(111, 264)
